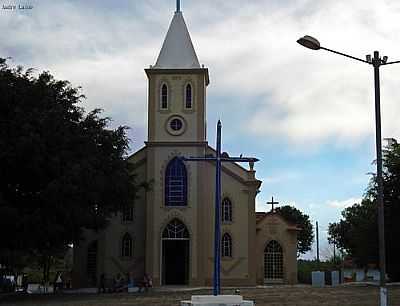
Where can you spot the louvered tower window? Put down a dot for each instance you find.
(164, 96)
(188, 96)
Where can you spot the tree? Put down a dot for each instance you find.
(357, 232)
(391, 190)
(61, 170)
(391, 195)
(295, 216)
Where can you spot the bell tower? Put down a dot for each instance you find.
(177, 89)
(177, 86)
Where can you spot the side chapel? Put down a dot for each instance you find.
(168, 233)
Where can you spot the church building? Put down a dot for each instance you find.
(168, 233)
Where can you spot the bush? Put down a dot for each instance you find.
(305, 267)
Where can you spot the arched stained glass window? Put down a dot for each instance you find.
(226, 210)
(188, 96)
(273, 261)
(226, 246)
(175, 230)
(127, 245)
(176, 183)
(164, 96)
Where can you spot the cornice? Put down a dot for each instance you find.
(151, 71)
(176, 143)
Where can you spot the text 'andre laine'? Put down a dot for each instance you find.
(13, 7)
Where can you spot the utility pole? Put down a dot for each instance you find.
(376, 61)
(334, 252)
(317, 231)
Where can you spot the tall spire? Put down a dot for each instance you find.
(177, 51)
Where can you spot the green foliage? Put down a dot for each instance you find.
(357, 232)
(305, 267)
(336, 259)
(391, 190)
(61, 170)
(306, 235)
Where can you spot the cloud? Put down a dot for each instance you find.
(344, 203)
(264, 86)
(282, 177)
(93, 47)
(304, 97)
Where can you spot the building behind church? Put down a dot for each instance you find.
(168, 232)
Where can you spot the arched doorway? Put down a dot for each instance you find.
(273, 262)
(175, 254)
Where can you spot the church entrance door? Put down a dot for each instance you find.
(175, 254)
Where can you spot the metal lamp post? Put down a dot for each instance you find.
(376, 62)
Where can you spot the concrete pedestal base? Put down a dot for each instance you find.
(219, 300)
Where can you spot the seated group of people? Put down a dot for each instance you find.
(120, 284)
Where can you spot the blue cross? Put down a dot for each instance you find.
(219, 158)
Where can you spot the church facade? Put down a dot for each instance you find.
(168, 233)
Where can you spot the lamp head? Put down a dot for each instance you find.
(309, 42)
(384, 59)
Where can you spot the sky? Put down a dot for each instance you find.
(307, 115)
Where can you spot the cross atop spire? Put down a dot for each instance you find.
(178, 6)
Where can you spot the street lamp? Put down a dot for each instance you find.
(312, 43)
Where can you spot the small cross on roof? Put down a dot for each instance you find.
(272, 202)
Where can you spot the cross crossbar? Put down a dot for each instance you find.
(217, 226)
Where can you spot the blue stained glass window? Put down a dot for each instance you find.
(176, 183)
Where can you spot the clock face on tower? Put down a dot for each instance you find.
(175, 125)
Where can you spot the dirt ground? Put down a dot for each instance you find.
(270, 296)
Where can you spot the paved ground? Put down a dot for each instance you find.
(270, 296)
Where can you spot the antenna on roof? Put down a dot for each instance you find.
(178, 5)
